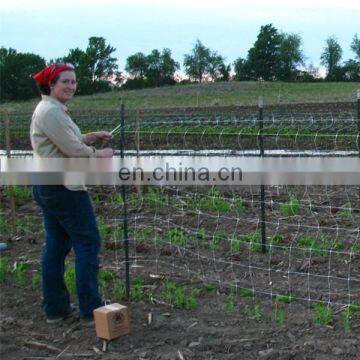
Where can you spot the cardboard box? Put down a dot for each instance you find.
(112, 321)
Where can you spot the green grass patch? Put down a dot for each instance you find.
(254, 311)
(247, 293)
(290, 208)
(180, 297)
(225, 93)
(323, 314)
(177, 237)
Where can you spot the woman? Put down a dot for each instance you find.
(68, 215)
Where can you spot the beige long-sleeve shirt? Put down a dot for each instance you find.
(54, 134)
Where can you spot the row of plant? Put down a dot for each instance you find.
(215, 202)
(321, 245)
(178, 296)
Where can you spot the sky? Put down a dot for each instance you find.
(230, 27)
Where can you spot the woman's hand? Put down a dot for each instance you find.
(98, 135)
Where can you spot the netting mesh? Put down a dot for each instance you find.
(213, 234)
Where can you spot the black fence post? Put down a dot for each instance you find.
(124, 197)
(262, 186)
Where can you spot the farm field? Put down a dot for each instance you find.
(201, 286)
(210, 94)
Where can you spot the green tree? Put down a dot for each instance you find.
(355, 46)
(263, 57)
(102, 64)
(160, 68)
(197, 63)
(95, 66)
(351, 70)
(216, 67)
(242, 70)
(290, 57)
(330, 58)
(136, 65)
(16, 70)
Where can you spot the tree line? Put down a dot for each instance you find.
(275, 55)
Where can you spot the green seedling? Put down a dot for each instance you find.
(331, 244)
(177, 296)
(355, 249)
(19, 271)
(104, 229)
(323, 314)
(239, 204)
(355, 307)
(18, 192)
(217, 237)
(155, 198)
(4, 269)
(347, 212)
(118, 291)
(284, 298)
(200, 234)
(134, 200)
(275, 239)
(235, 245)
(253, 240)
(310, 243)
(279, 315)
(117, 200)
(230, 302)
(247, 293)
(177, 237)
(25, 225)
(209, 287)
(137, 292)
(253, 311)
(69, 278)
(5, 226)
(290, 208)
(215, 202)
(104, 278)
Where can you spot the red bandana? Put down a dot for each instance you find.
(44, 76)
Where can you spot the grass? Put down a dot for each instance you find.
(225, 93)
(254, 312)
(247, 293)
(154, 198)
(19, 271)
(180, 297)
(70, 279)
(20, 193)
(286, 298)
(230, 302)
(290, 208)
(177, 237)
(279, 315)
(323, 314)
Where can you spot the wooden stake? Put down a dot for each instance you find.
(8, 154)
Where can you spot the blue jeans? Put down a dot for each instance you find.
(69, 222)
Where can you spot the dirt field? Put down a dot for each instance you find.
(214, 313)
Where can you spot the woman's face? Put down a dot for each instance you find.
(64, 89)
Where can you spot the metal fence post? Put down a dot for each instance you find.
(262, 186)
(124, 197)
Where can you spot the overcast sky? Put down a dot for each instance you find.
(51, 28)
